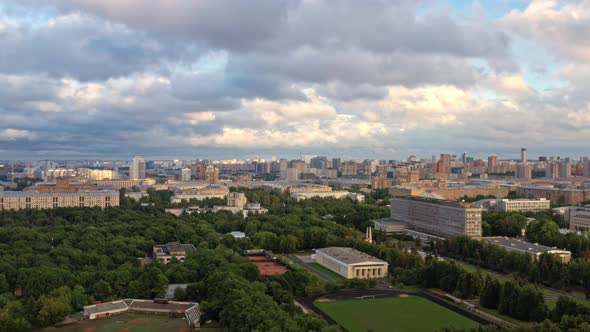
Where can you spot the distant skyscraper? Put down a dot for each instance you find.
(586, 165)
(445, 160)
(137, 170)
(523, 155)
(464, 157)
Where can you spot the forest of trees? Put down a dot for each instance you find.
(547, 270)
(53, 262)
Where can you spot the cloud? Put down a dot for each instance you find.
(11, 134)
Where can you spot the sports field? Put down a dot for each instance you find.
(399, 314)
(127, 322)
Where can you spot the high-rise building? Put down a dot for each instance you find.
(552, 170)
(523, 155)
(319, 162)
(492, 162)
(565, 169)
(137, 170)
(185, 174)
(199, 168)
(464, 157)
(445, 160)
(212, 174)
(336, 163)
(586, 165)
(524, 171)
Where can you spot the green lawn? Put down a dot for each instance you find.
(333, 275)
(127, 322)
(550, 296)
(407, 314)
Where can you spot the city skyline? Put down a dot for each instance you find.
(113, 79)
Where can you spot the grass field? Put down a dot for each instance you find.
(127, 323)
(333, 275)
(403, 314)
(550, 295)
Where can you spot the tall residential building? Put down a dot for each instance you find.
(185, 174)
(283, 165)
(565, 169)
(552, 170)
(586, 165)
(438, 217)
(445, 163)
(137, 169)
(523, 155)
(524, 171)
(212, 174)
(319, 162)
(199, 168)
(336, 163)
(492, 162)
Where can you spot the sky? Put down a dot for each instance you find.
(234, 78)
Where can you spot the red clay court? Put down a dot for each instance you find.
(266, 266)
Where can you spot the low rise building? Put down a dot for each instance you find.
(211, 191)
(18, 200)
(515, 205)
(438, 217)
(534, 249)
(127, 184)
(351, 263)
(136, 195)
(165, 252)
(579, 218)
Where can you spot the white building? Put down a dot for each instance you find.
(523, 205)
(185, 174)
(351, 263)
(534, 249)
(579, 217)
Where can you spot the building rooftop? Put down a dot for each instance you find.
(168, 248)
(349, 255)
(31, 193)
(520, 245)
(105, 307)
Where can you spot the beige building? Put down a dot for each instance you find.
(351, 263)
(18, 200)
(523, 205)
(165, 252)
(235, 199)
(450, 193)
(438, 217)
(579, 217)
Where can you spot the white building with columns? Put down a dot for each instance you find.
(351, 263)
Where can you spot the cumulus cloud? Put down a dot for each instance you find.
(108, 77)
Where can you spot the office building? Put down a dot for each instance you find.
(579, 217)
(351, 263)
(523, 205)
(120, 184)
(438, 217)
(534, 249)
(60, 185)
(166, 252)
(523, 155)
(18, 200)
(137, 169)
